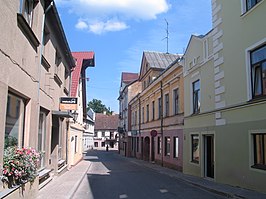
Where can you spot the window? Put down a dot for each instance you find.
(137, 144)
(259, 151)
(42, 137)
(167, 146)
(166, 97)
(14, 127)
(103, 144)
(159, 107)
(196, 96)
(153, 110)
(136, 116)
(175, 147)
(95, 144)
(195, 148)
(175, 101)
(159, 147)
(76, 143)
(26, 9)
(148, 112)
(142, 114)
(251, 3)
(60, 140)
(258, 70)
(103, 134)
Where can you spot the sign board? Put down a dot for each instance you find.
(153, 133)
(68, 103)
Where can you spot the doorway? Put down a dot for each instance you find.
(209, 156)
(147, 148)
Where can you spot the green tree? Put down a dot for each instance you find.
(98, 107)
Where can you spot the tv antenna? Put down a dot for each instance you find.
(167, 36)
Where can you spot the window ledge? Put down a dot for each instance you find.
(246, 12)
(57, 80)
(259, 166)
(45, 63)
(27, 31)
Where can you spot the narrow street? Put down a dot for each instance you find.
(113, 176)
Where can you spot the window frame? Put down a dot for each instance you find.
(159, 108)
(159, 145)
(42, 133)
(166, 105)
(153, 110)
(167, 145)
(262, 143)
(195, 159)
(253, 68)
(21, 117)
(147, 112)
(176, 147)
(196, 97)
(176, 101)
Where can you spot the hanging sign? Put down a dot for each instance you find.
(68, 103)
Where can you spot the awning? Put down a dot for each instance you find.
(65, 114)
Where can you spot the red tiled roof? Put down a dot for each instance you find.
(129, 77)
(80, 58)
(106, 122)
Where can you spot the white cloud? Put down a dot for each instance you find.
(109, 26)
(104, 10)
(81, 25)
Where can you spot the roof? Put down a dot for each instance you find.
(129, 77)
(83, 60)
(106, 122)
(159, 59)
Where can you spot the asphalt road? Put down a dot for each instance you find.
(112, 176)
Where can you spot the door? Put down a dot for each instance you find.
(209, 156)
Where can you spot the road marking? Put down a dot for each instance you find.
(163, 190)
(123, 196)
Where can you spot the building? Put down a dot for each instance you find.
(36, 65)
(79, 125)
(129, 87)
(225, 87)
(88, 135)
(157, 112)
(105, 131)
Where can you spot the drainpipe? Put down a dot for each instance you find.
(40, 61)
(161, 115)
(140, 129)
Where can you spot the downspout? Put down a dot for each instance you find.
(161, 115)
(140, 129)
(40, 61)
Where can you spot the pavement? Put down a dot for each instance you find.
(65, 186)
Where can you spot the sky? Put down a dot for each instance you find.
(118, 31)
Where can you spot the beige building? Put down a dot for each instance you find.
(225, 119)
(157, 112)
(78, 133)
(36, 65)
(129, 88)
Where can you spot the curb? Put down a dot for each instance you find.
(77, 184)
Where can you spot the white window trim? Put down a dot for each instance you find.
(248, 65)
(194, 77)
(164, 105)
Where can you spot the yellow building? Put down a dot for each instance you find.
(157, 112)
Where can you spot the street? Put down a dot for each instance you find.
(113, 176)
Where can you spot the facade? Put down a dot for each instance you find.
(36, 65)
(129, 87)
(78, 126)
(105, 131)
(157, 112)
(225, 126)
(88, 135)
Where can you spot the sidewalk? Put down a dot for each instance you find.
(64, 186)
(209, 185)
